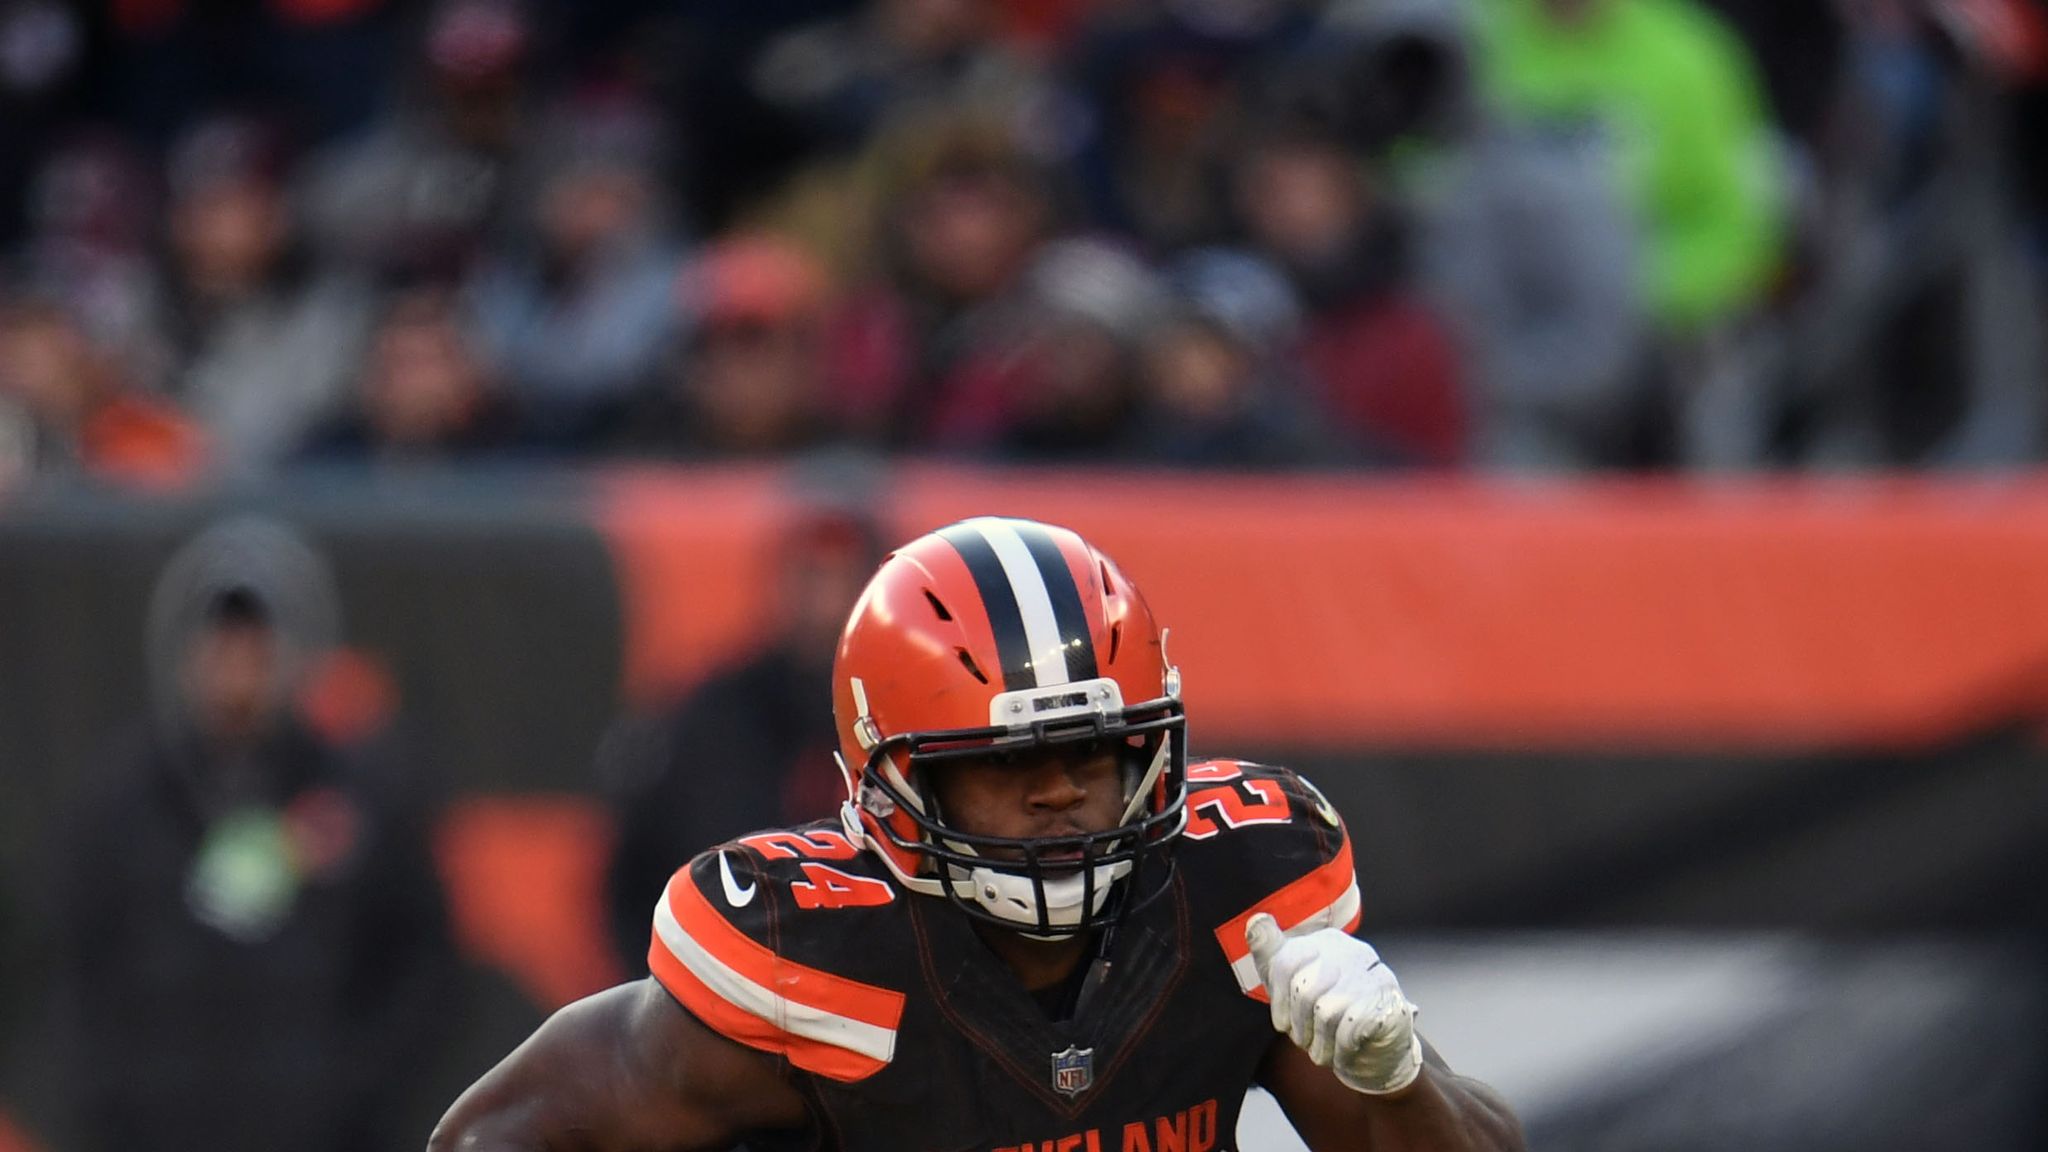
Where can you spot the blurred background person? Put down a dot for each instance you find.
(1220, 388)
(92, 243)
(702, 63)
(752, 745)
(852, 90)
(750, 378)
(576, 311)
(1667, 93)
(66, 409)
(1157, 94)
(425, 393)
(255, 942)
(1381, 364)
(964, 207)
(1919, 343)
(423, 189)
(257, 339)
(1060, 381)
(1521, 241)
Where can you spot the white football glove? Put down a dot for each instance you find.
(1333, 997)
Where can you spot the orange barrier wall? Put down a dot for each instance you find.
(1349, 612)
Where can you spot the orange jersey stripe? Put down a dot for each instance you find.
(738, 1024)
(1318, 891)
(786, 978)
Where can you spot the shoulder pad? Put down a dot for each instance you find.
(1263, 839)
(725, 930)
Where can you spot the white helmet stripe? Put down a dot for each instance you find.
(1034, 601)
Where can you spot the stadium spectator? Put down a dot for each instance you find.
(93, 217)
(851, 89)
(259, 341)
(1919, 342)
(1520, 241)
(700, 61)
(750, 379)
(763, 722)
(965, 208)
(576, 312)
(1672, 98)
(423, 189)
(1220, 386)
(424, 393)
(1381, 365)
(1158, 90)
(255, 941)
(66, 409)
(1061, 380)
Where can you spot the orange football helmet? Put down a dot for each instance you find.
(988, 636)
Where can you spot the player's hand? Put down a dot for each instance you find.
(1333, 997)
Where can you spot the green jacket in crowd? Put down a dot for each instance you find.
(1673, 94)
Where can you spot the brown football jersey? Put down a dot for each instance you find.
(905, 1032)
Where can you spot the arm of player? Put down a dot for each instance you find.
(627, 1068)
(1350, 1070)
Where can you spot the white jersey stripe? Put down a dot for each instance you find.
(798, 1019)
(1337, 915)
(1034, 603)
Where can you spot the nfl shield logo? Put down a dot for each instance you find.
(1073, 1070)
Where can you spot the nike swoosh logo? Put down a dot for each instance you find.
(735, 895)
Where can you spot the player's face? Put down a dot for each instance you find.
(1030, 795)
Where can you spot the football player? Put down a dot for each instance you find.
(1034, 925)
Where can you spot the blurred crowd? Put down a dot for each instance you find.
(1526, 235)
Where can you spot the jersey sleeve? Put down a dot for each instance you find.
(718, 949)
(1269, 842)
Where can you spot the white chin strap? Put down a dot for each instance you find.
(1014, 899)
